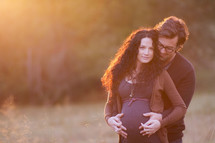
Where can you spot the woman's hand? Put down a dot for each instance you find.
(115, 123)
(150, 127)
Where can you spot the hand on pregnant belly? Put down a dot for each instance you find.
(150, 127)
(116, 124)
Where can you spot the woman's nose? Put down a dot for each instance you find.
(146, 51)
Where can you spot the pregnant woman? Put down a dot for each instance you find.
(136, 81)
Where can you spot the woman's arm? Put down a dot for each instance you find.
(112, 118)
(108, 107)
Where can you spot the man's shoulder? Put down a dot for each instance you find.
(181, 63)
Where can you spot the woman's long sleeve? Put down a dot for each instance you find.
(109, 109)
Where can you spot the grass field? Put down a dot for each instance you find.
(84, 123)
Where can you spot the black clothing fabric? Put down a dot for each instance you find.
(182, 73)
(133, 109)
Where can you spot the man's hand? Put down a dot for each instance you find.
(153, 116)
(115, 123)
(150, 127)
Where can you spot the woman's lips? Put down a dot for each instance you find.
(145, 57)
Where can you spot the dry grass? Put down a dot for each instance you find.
(200, 120)
(83, 123)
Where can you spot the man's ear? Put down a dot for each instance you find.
(179, 47)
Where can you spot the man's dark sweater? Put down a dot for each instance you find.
(183, 76)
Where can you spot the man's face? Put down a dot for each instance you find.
(167, 48)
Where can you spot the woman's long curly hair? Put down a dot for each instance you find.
(125, 61)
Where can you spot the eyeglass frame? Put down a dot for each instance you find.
(171, 49)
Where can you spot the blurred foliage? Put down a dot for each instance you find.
(54, 51)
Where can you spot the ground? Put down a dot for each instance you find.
(81, 123)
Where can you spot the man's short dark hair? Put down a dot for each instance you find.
(173, 26)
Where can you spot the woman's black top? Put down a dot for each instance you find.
(133, 109)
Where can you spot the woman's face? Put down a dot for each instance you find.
(146, 50)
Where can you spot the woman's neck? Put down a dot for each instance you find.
(136, 71)
(138, 67)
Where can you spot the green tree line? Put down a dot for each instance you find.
(52, 51)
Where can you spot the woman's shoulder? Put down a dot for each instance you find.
(164, 76)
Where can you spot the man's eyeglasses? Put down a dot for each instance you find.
(168, 49)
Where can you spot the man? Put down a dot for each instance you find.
(173, 33)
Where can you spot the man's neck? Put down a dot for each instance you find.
(169, 61)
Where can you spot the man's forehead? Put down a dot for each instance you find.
(168, 41)
(168, 38)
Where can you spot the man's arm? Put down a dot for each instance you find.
(178, 111)
(186, 89)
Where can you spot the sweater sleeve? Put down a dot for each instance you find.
(179, 107)
(186, 88)
(109, 107)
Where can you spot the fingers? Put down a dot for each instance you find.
(148, 114)
(120, 132)
(120, 128)
(117, 120)
(154, 125)
(119, 115)
(123, 133)
(146, 132)
(142, 132)
(147, 127)
(148, 123)
(123, 127)
(115, 123)
(141, 126)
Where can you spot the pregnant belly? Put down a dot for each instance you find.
(133, 116)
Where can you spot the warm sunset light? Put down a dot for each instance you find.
(54, 53)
